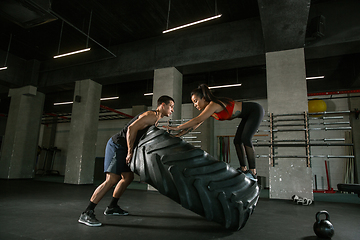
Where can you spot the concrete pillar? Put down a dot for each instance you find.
(168, 81)
(354, 104)
(20, 143)
(286, 81)
(80, 160)
(287, 94)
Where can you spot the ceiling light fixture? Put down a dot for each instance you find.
(87, 35)
(310, 78)
(7, 54)
(190, 24)
(62, 103)
(78, 51)
(226, 86)
(222, 86)
(101, 99)
(71, 53)
(193, 23)
(109, 98)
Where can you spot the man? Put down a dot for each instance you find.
(118, 154)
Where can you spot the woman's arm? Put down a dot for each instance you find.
(195, 122)
(187, 130)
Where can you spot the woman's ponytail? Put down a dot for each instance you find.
(206, 92)
(203, 91)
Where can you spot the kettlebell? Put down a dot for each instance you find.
(323, 228)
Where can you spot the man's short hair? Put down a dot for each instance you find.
(164, 99)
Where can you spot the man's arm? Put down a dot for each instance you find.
(187, 130)
(144, 120)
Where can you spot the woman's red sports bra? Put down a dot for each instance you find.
(225, 115)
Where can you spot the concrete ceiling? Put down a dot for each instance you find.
(227, 50)
(112, 22)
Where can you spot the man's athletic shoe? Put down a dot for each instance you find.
(88, 218)
(115, 211)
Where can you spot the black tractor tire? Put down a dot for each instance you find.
(195, 179)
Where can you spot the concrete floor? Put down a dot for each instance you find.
(32, 210)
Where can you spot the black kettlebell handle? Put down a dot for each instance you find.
(322, 212)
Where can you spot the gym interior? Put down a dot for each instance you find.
(299, 60)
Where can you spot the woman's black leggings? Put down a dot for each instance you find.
(252, 114)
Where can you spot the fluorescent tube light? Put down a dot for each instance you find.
(63, 103)
(109, 98)
(310, 78)
(71, 53)
(101, 99)
(225, 86)
(222, 86)
(3, 68)
(193, 23)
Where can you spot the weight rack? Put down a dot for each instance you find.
(304, 122)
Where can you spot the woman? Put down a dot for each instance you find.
(221, 109)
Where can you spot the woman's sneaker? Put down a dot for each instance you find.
(239, 170)
(115, 211)
(250, 175)
(88, 218)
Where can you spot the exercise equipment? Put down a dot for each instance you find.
(351, 188)
(301, 201)
(49, 152)
(316, 105)
(305, 126)
(195, 179)
(323, 228)
(327, 171)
